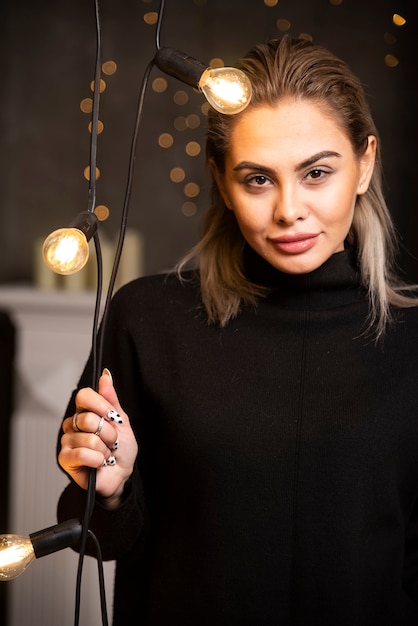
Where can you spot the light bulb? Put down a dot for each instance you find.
(17, 551)
(16, 554)
(227, 89)
(66, 250)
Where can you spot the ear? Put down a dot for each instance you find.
(219, 180)
(367, 165)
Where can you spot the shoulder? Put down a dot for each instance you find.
(159, 291)
(407, 315)
(401, 334)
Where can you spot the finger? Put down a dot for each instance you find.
(67, 425)
(75, 460)
(84, 449)
(88, 400)
(107, 390)
(90, 423)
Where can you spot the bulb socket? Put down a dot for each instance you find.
(180, 65)
(64, 535)
(87, 222)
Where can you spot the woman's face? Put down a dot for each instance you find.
(291, 178)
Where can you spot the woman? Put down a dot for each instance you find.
(271, 390)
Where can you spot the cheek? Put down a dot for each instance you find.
(339, 215)
(348, 215)
(250, 226)
(252, 217)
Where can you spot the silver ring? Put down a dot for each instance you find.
(100, 426)
(75, 427)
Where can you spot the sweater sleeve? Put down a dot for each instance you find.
(119, 530)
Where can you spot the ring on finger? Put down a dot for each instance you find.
(75, 427)
(100, 426)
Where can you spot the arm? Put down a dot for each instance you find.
(118, 512)
(118, 517)
(118, 530)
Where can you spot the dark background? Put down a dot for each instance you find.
(47, 57)
(47, 60)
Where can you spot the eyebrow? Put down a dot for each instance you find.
(248, 165)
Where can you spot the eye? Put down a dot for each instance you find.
(317, 174)
(257, 180)
(260, 180)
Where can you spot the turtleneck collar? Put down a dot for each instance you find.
(335, 283)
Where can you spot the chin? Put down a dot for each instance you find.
(300, 265)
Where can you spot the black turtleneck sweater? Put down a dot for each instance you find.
(277, 477)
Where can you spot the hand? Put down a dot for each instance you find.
(99, 436)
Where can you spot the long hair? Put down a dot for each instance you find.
(299, 69)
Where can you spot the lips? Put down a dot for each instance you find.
(295, 244)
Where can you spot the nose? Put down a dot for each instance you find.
(289, 206)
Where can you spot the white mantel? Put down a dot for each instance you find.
(54, 336)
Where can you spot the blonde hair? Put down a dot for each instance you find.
(298, 68)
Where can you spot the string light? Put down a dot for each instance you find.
(398, 20)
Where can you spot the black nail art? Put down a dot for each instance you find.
(114, 416)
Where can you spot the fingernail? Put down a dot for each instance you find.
(106, 372)
(115, 445)
(111, 460)
(114, 416)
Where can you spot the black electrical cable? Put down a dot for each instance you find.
(91, 490)
(102, 588)
(91, 494)
(95, 111)
(98, 334)
(129, 182)
(92, 187)
(125, 209)
(159, 22)
(96, 316)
